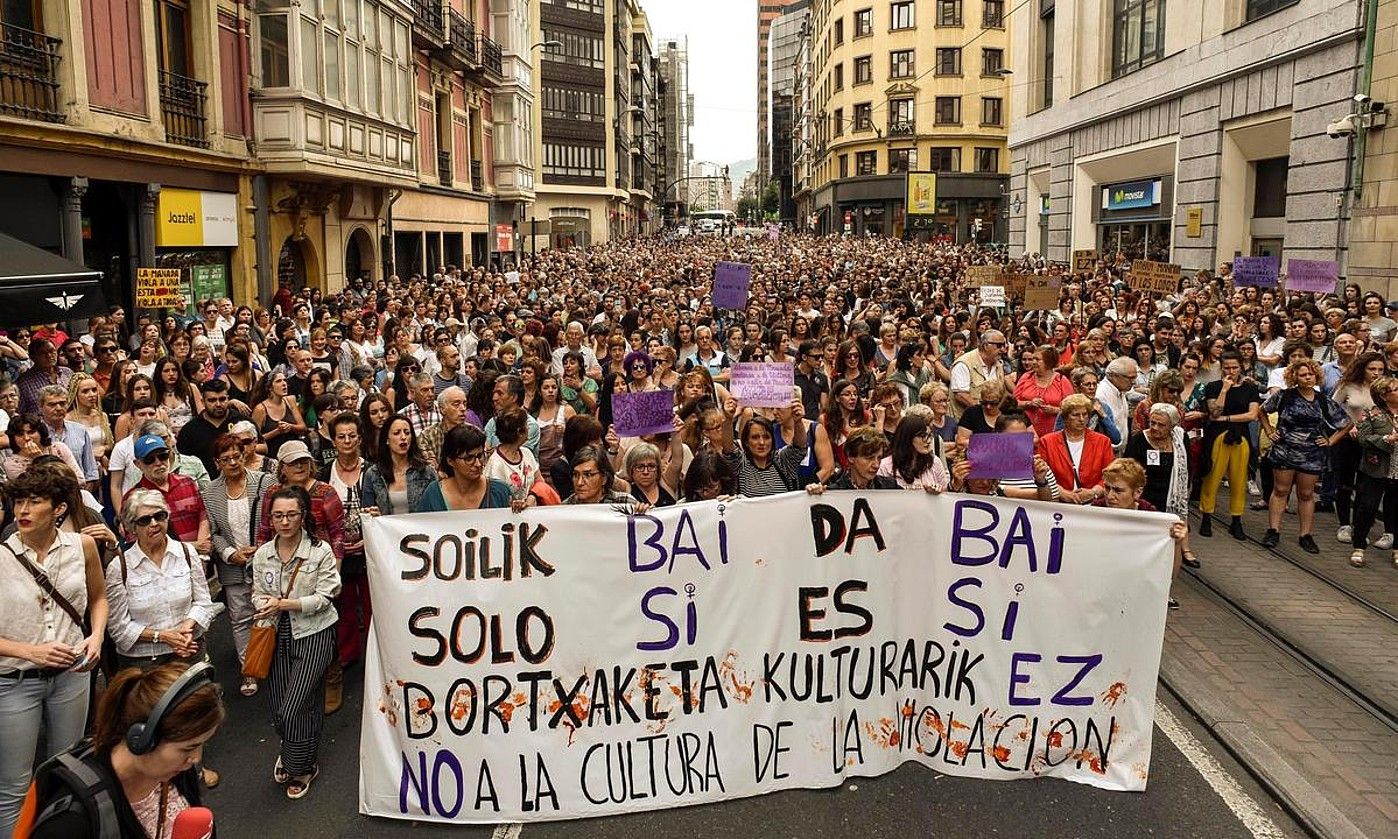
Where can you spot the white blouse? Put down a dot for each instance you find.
(27, 614)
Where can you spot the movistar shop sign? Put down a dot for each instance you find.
(1131, 196)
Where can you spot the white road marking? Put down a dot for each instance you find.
(510, 830)
(1248, 811)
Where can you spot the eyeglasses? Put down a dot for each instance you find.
(106, 349)
(156, 457)
(645, 467)
(472, 457)
(282, 515)
(585, 475)
(995, 343)
(161, 516)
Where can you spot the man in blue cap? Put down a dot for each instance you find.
(189, 522)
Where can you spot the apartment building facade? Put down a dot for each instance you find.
(784, 46)
(914, 86)
(675, 114)
(1187, 132)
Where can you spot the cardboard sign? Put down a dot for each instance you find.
(993, 295)
(1313, 275)
(638, 414)
(1042, 293)
(731, 281)
(1154, 277)
(759, 384)
(1260, 271)
(1001, 455)
(159, 288)
(589, 646)
(982, 275)
(1085, 262)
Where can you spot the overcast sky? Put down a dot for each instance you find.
(722, 71)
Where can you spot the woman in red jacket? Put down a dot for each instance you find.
(1077, 454)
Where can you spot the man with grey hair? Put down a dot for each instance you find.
(422, 411)
(1111, 392)
(452, 406)
(180, 463)
(573, 335)
(53, 407)
(974, 368)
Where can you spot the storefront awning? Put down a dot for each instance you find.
(39, 287)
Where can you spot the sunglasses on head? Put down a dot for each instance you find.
(160, 515)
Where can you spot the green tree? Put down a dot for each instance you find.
(771, 200)
(747, 208)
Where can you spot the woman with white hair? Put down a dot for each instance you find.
(253, 459)
(1160, 448)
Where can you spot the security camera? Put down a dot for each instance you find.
(1362, 100)
(1341, 128)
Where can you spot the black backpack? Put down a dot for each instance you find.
(78, 777)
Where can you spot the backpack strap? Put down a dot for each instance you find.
(76, 776)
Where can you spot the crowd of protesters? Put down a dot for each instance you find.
(160, 469)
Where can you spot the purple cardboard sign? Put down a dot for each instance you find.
(762, 384)
(1004, 455)
(1260, 271)
(731, 280)
(1314, 275)
(637, 414)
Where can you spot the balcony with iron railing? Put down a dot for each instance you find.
(182, 101)
(902, 128)
(444, 168)
(429, 22)
(462, 38)
(29, 74)
(477, 176)
(492, 57)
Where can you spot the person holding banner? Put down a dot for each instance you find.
(464, 485)
(865, 448)
(592, 481)
(653, 481)
(296, 578)
(762, 469)
(915, 460)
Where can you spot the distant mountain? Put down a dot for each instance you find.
(739, 170)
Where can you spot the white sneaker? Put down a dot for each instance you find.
(1254, 490)
(1344, 534)
(1384, 542)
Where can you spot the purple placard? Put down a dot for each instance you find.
(1004, 455)
(1315, 275)
(1260, 271)
(731, 280)
(762, 384)
(637, 414)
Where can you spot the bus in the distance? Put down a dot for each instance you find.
(710, 221)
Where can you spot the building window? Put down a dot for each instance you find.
(863, 116)
(902, 160)
(272, 47)
(863, 69)
(949, 61)
(902, 16)
(839, 31)
(839, 121)
(992, 111)
(569, 103)
(844, 166)
(1138, 35)
(1262, 8)
(1046, 36)
(944, 159)
(987, 160)
(866, 163)
(992, 61)
(863, 23)
(900, 118)
(579, 50)
(839, 77)
(901, 64)
(948, 110)
(568, 160)
(592, 6)
(994, 16)
(1269, 188)
(948, 12)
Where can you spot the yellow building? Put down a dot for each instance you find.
(907, 87)
(1373, 241)
(124, 139)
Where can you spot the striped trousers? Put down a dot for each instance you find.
(296, 688)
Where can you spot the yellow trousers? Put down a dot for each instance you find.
(1231, 460)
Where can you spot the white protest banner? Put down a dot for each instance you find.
(762, 384)
(573, 661)
(993, 295)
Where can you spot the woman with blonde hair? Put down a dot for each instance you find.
(85, 408)
(936, 396)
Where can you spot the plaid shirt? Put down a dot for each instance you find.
(186, 505)
(327, 513)
(33, 380)
(421, 420)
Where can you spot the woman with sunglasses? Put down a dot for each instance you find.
(296, 578)
(464, 485)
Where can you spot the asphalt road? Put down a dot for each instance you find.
(913, 801)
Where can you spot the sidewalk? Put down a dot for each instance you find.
(1328, 758)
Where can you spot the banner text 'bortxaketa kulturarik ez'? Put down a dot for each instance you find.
(573, 661)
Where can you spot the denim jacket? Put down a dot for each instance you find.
(316, 584)
(375, 489)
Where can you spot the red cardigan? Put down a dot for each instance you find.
(1096, 455)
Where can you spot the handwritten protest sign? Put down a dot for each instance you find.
(1004, 455)
(1015, 284)
(651, 412)
(993, 295)
(982, 275)
(1041, 293)
(1085, 262)
(1260, 271)
(731, 281)
(1154, 277)
(762, 384)
(159, 288)
(572, 661)
(1314, 275)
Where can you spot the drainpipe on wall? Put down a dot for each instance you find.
(390, 251)
(262, 235)
(1366, 73)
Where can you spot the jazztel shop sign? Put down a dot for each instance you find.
(1131, 196)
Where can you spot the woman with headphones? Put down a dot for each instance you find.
(140, 770)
